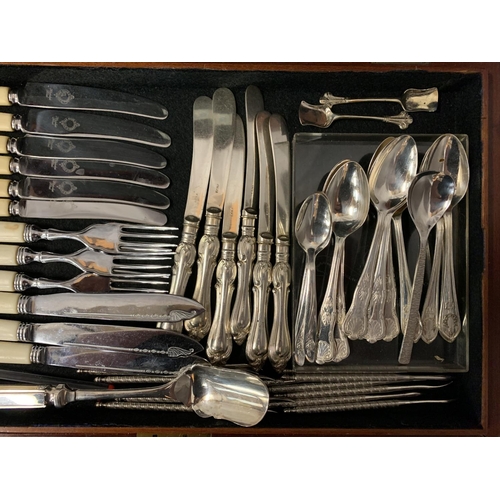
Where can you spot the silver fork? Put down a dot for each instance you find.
(83, 283)
(111, 237)
(103, 264)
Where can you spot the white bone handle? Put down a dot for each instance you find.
(4, 207)
(4, 96)
(12, 232)
(17, 353)
(8, 255)
(4, 188)
(7, 279)
(8, 302)
(8, 330)
(6, 122)
(5, 165)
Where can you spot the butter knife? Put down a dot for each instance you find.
(82, 149)
(256, 348)
(280, 346)
(90, 358)
(62, 96)
(224, 110)
(220, 341)
(110, 337)
(185, 254)
(57, 209)
(59, 123)
(33, 188)
(101, 306)
(241, 315)
(81, 169)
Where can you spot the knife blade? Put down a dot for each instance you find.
(34, 188)
(280, 347)
(89, 358)
(241, 314)
(224, 110)
(101, 306)
(82, 149)
(256, 348)
(72, 169)
(110, 337)
(219, 341)
(80, 124)
(62, 96)
(43, 209)
(203, 135)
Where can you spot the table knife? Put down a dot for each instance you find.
(48, 122)
(256, 348)
(82, 149)
(185, 254)
(72, 169)
(57, 209)
(280, 347)
(220, 341)
(34, 188)
(224, 111)
(110, 337)
(102, 306)
(91, 358)
(241, 315)
(62, 96)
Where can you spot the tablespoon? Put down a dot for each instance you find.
(348, 193)
(391, 177)
(429, 197)
(313, 230)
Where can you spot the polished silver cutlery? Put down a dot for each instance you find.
(219, 340)
(86, 282)
(203, 142)
(110, 337)
(109, 237)
(241, 314)
(82, 149)
(63, 96)
(144, 307)
(280, 344)
(224, 116)
(81, 169)
(256, 348)
(65, 209)
(60, 123)
(91, 261)
(35, 188)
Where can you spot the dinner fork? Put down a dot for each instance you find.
(83, 283)
(145, 265)
(111, 237)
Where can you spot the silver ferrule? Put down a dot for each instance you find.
(282, 248)
(13, 96)
(23, 282)
(190, 229)
(12, 146)
(26, 256)
(15, 207)
(13, 189)
(25, 332)
(248, 219)
(16, 123)
(37, 355)
(228, 248)
(33, 233)
(212, 222)
(15, 165)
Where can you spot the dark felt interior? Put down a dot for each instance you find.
(459, 112)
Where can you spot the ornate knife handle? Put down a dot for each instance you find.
(220, 342)
(256, 349)
(185, 255)
(241, 315)
(280, 346)
(449, 315)
(208, 250)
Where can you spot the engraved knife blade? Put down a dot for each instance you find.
(62, 96)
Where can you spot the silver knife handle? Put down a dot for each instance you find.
(16, 397)
(257, 341)
(280, 346)
(220, 342)
(241, 317)
(185, 255)
(208, 250)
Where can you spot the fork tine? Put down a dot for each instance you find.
(124, 259)
(150, 248)
(150, 285)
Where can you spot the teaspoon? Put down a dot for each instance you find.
(429, 197)
(313, 230)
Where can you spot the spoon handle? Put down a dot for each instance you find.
(392, 324)
(413, 317)
(431, 303)
(341, 341)
(306, 319)
(402, 120)
(327, 317)
(449, 314)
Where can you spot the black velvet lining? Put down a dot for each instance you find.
(459, 112)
